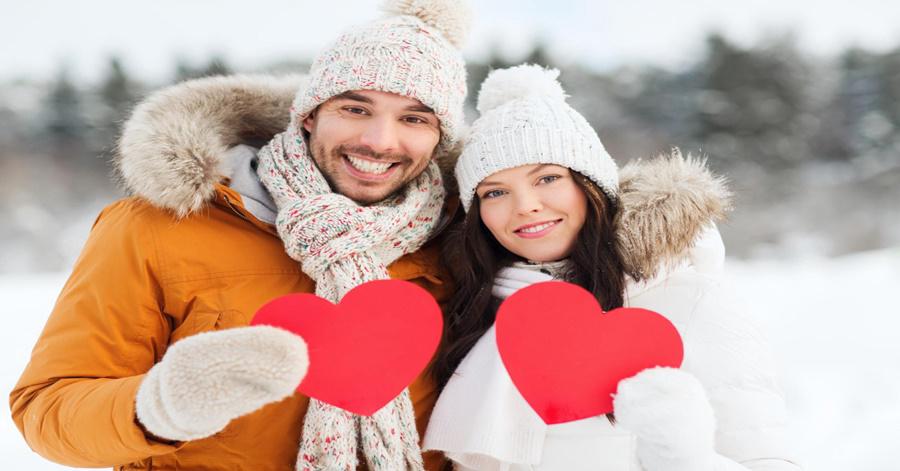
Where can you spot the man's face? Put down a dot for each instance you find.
(370, 144)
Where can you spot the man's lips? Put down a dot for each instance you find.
(369, 176)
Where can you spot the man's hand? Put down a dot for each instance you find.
(205, 381)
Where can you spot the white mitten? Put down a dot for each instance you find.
(669, 412)
(511, 279)
(205, 381)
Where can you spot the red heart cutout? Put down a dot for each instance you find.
(566, 356)
(366, 349)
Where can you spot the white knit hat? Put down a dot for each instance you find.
(413, 52)
(525, 120)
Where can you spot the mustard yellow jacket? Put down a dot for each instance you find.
(143, 281)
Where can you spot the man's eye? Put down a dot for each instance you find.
(354, 110)
(416, 120)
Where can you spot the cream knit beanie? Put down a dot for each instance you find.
(525, 120)
(413, 52)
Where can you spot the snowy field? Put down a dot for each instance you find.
(835, 324)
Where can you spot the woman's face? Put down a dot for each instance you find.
(534, 211)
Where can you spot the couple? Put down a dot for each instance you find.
(147, 361)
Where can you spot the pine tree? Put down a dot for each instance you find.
(753, 102)
(64, 114)
(117, 95)
(215, 66)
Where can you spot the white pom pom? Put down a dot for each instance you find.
(505, 85)
(450, 17)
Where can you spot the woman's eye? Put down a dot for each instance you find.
(491, 194)
(354, 110)
(548, 178)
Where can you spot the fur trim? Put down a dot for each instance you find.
(665, 203)
(171, 149)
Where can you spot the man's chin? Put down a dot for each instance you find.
(367, 196)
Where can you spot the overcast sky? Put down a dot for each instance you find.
(38, 35)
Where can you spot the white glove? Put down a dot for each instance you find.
(511, 279)
(205, 381)
(669, 412)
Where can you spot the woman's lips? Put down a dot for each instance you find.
(536, 230)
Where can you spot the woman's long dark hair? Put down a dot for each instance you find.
(473, 257)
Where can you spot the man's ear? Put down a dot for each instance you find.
(309, 120)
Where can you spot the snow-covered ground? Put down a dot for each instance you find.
(833, 322)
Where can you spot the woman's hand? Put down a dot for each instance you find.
(669, 412)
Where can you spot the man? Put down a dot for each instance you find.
(215, 230)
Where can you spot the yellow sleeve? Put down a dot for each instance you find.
(74, 403)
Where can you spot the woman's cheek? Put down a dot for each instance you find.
(492, 215)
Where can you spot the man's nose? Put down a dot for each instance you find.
(381, 135)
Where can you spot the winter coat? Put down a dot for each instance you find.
(148, 277)
(675, 261)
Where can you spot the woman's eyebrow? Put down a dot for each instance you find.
(538, 168)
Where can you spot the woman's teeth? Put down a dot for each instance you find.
(538, 228)
(368, 166)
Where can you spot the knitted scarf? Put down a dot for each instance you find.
(341, 245)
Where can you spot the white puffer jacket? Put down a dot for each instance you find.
(482, 423)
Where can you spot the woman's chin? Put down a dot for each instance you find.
(543, 257)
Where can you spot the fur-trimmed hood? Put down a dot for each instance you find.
(665, 204)
(171, 154)
(172, 147)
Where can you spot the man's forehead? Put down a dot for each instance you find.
(374, 97)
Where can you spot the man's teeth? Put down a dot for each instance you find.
(368, 166)
(537, 228)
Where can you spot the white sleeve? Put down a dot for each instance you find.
(733, 360)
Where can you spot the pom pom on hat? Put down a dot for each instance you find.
(505, 85)
(451, 17)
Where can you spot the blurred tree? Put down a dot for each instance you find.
(867, 102)
(215, 66)
(117, 93)
(753, 104)
(476, 72)
(64, 114)
(540, 55)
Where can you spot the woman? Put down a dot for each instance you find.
(545, 201)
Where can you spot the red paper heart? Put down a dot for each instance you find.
(365, 350)
(566, 356)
